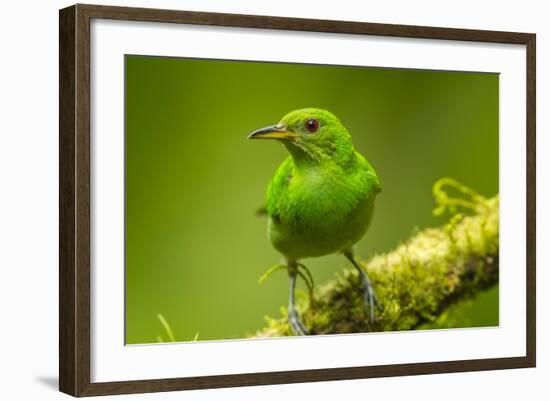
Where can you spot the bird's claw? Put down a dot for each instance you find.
(369, 296)
(296, 324)
(370, 299)
(293, 317)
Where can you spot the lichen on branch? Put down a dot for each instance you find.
(416, 281)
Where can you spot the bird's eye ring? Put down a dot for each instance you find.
(312, 125)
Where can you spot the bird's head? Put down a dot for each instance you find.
(310, 135)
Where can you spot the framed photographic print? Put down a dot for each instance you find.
(251, 200)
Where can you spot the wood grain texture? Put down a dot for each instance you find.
(82, 200)
(301, 24)
(531, 241)
(67, 295)
(74, 198)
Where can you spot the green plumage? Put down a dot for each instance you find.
(321, 199)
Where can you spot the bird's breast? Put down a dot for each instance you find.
(320, 213)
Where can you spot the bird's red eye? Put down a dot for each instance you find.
(312, 125)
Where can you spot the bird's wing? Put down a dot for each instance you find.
(279, 184)
(261, 211)
(374, 180)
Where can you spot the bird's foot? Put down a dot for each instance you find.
(293, 317)
(296, 324)
(370, 301)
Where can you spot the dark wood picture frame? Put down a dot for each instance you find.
(74, 199)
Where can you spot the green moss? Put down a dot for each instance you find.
(417, 281)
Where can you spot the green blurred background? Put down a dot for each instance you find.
(194, 247)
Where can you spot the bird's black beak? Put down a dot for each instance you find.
(278, 131)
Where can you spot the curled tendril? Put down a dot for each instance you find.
(307, 277)
(270, 271)
(301, 270)
(471, 200)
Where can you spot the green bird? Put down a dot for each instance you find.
(321, 199)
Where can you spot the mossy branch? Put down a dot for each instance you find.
(416, 281)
